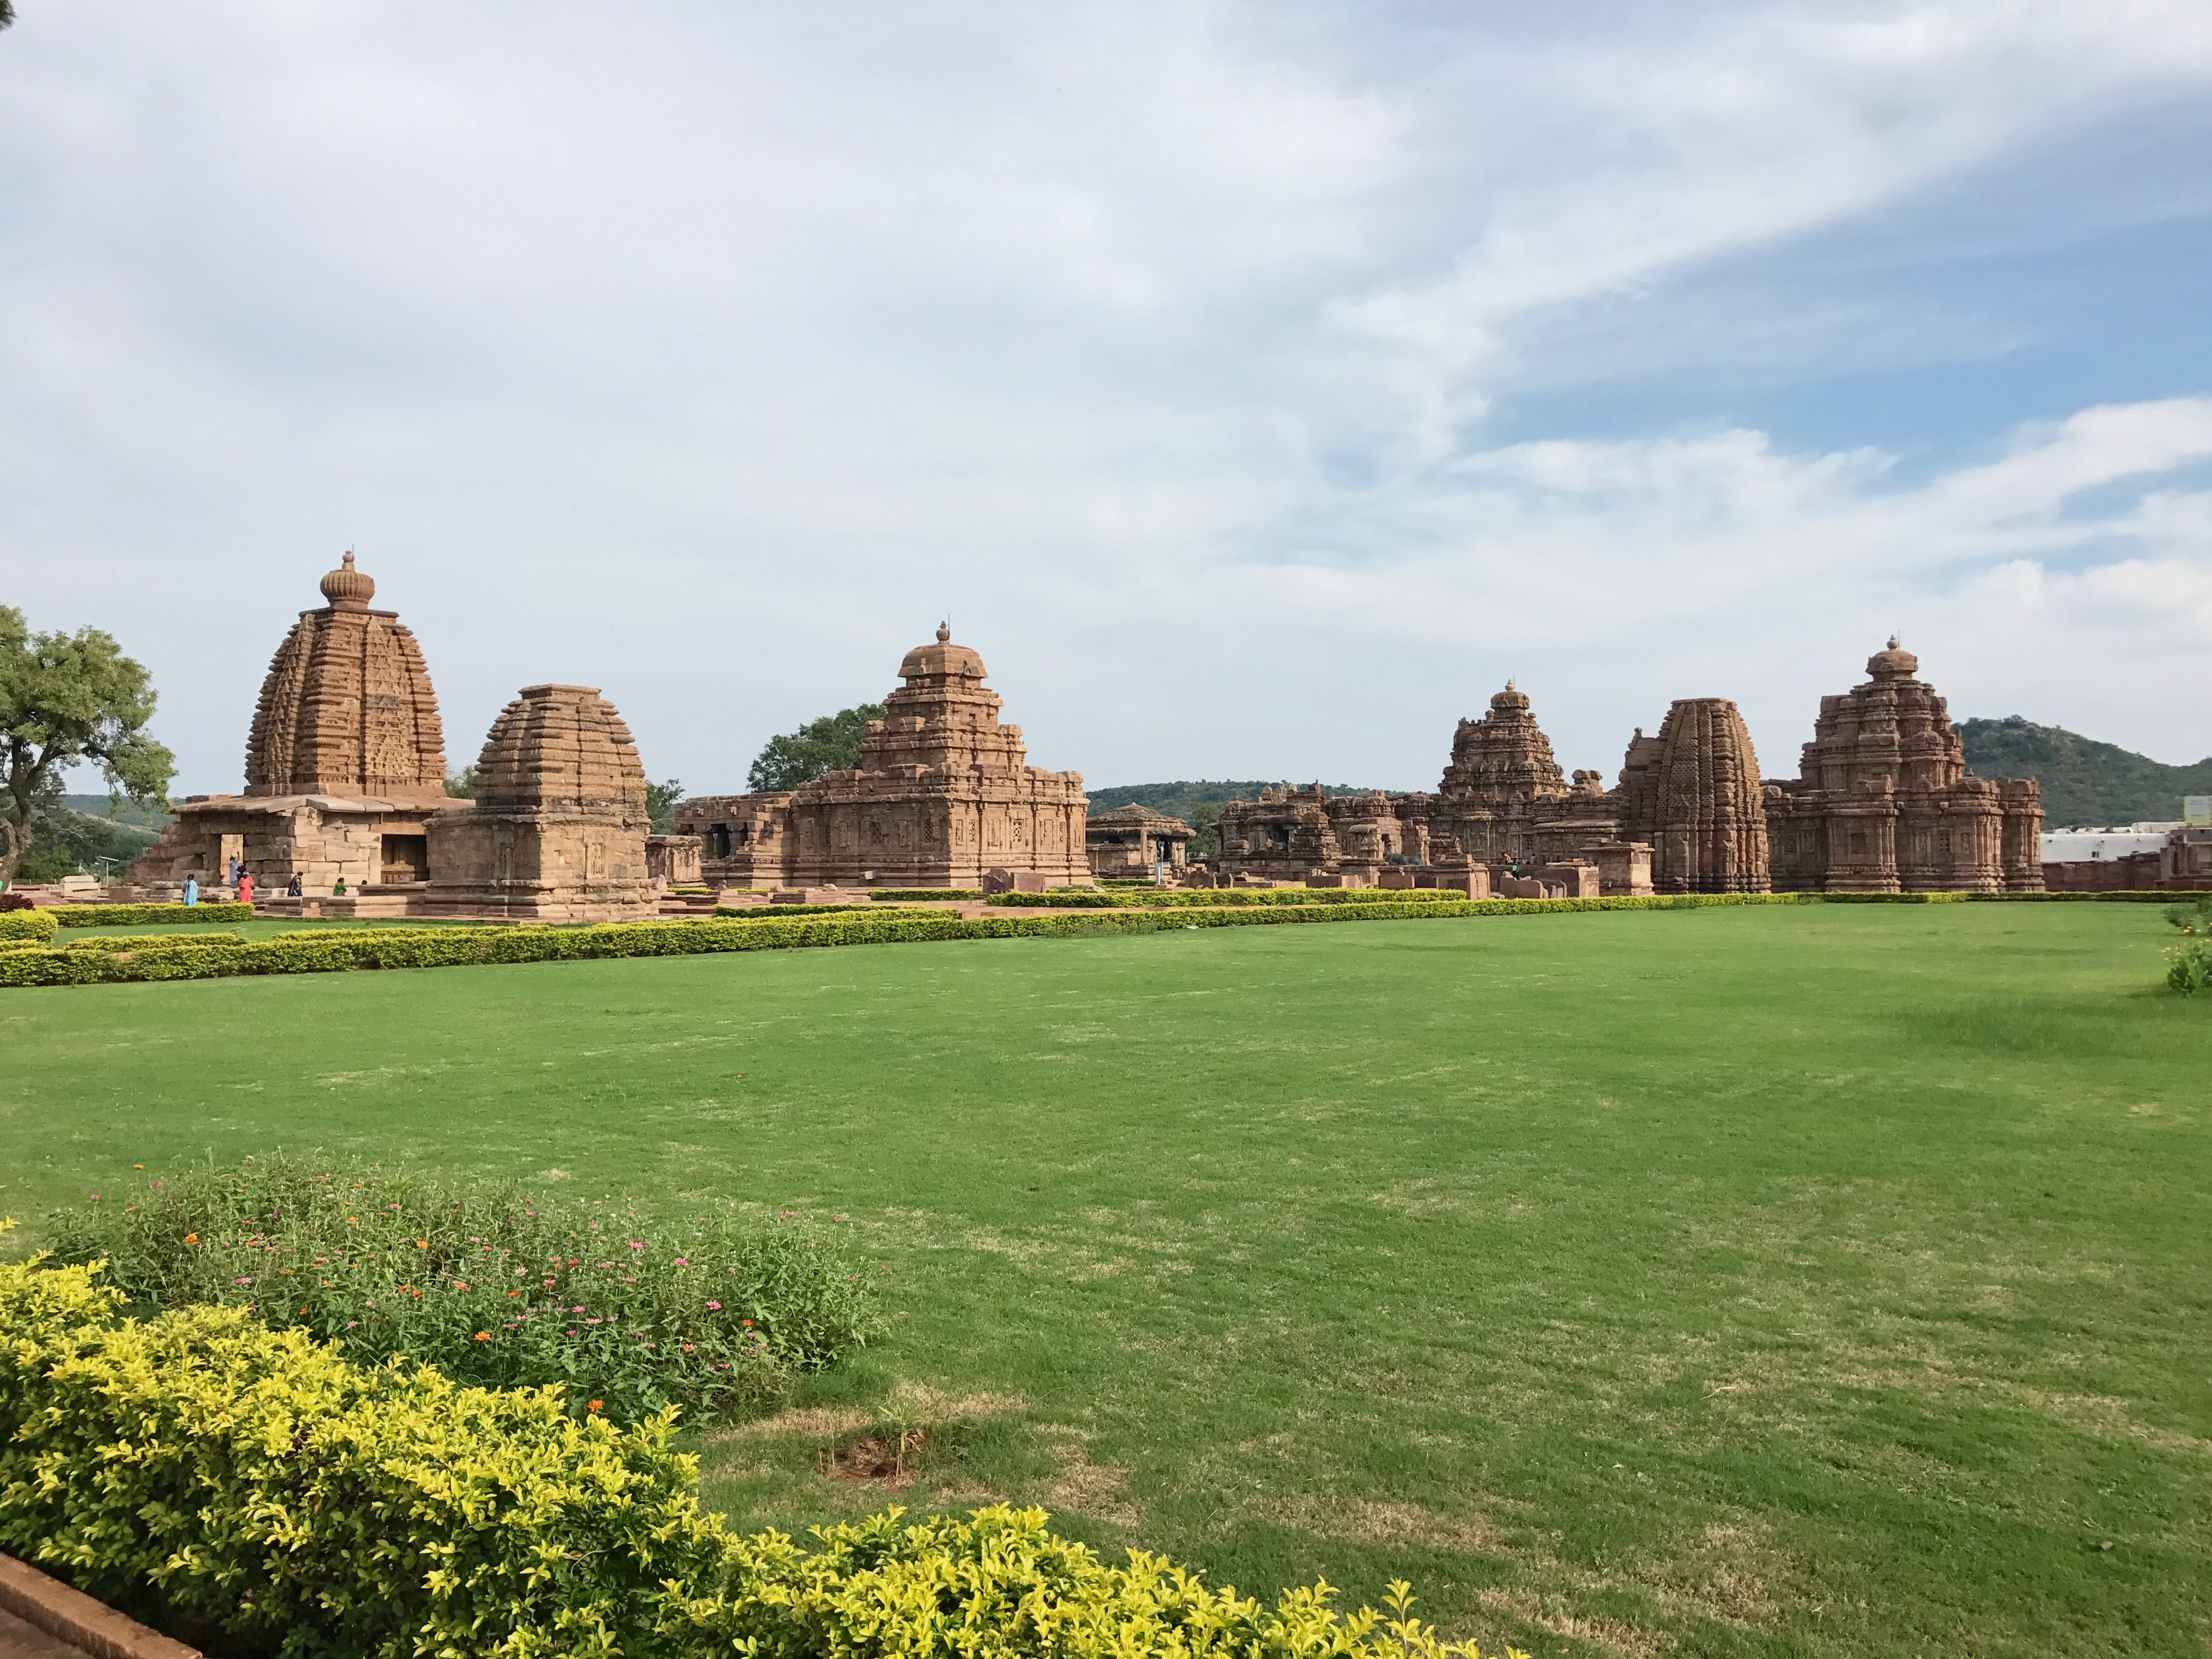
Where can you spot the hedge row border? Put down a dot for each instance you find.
(337, 951)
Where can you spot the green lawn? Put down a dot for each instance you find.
(1814, 1279)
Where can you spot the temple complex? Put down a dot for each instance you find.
(1884, 803)
(559, 826)
(345, 764)
(943, 792)
(1503, 807)
(1134, 840)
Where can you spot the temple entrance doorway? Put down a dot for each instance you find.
(406, 858)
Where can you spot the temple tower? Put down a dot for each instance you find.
(1883, 802)
(558, 830)
(347, 710)
(1693, 793)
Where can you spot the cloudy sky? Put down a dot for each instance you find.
(1256, 386)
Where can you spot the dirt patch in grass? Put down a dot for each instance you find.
(1546, 1612)
(1082, 1487)
(889, 1461)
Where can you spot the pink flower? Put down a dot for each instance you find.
(95, 1198)
(635, 1245)
(579, 1308)
(243, 1281)
(590, 1322)
(680, 1262)
(716, 1306)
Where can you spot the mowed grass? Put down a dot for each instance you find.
(1814, 1279)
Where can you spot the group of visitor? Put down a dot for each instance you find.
(242, 879)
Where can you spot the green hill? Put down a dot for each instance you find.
(125, 812)
(2084, 781)
(1181, 799)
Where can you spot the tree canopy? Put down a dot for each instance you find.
(831, 743)
(66, 699)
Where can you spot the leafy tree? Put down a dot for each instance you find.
(831, 743)
(1204, 823)
(65, 699)
(462, 784)
(7, 13)
(661, 800)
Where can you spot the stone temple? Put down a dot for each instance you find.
(1884, 803)
(345, 771)
(345, 765)
(558, 832)
(943, 795)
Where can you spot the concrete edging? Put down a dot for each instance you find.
(71, 1616)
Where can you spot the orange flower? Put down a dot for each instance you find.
(482, 1336)
(594, 1405)
(421, 1244)
(192, 1238)
(513, 1294)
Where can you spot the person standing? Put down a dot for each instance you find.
(338, 891)
(292, 887)
(246, 887)
(234, 872)
(191, 889)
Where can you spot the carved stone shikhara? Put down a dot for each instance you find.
(942, 794)
(1883, 802)
(347, 707)
(559, 827)
(1692, 793)
(345, 764)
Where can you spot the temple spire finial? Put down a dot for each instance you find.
(945, 632)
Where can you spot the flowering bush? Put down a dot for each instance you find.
(494, 1284)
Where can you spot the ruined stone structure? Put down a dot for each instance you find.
(942, 794)
(559, 826)
(345, 765)
(1884, 802)
(1503, 804)
(1692, 793)
(1134, 840)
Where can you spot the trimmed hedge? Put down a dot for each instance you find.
(322, 950)
(39, 924)
(911, 895)
(333, 950)
(141, 915)
(252, 1489)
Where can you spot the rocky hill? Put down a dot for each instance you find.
(2084, 781)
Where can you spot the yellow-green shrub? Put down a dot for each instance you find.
(146, 915)
(37, 923)
(254, 1486)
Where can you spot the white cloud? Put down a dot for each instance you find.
(708, 355)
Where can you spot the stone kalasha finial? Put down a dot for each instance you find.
(346, 588)
(945, 633)
(1893, 662)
